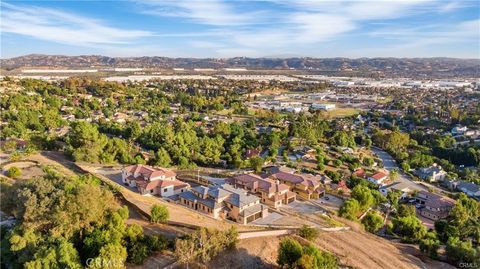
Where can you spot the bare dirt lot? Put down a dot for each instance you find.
(28, 169)
(354, 248)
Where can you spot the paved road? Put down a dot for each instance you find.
(389, 163)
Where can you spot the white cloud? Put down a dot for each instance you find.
(210, 12)
(61, 27)
(299, 23)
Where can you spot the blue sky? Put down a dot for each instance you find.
(221, 28)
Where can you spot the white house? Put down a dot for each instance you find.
(459, 130)
(433, 173)
(401, 187)
(378, 178)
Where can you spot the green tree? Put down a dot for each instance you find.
(368, 161)
(289, 252)
(372, 222)
(405, 166)
(393, 198)
(410, 227)
(85, 143)
(162, 158)
(350, 209)
(256, 163)
(159, 214)
(459, 251)
(308, 233)
(363, 195)
(111, 256)
(430, 245)
(322, 259)
(14, 172)
(306, 262)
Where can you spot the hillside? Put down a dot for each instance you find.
(356, 249)
(414, 67)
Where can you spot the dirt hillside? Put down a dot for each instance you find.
(355, 249)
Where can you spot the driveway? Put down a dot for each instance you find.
(330, 201)
(302, 208)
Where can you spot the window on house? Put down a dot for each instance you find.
(165, 190)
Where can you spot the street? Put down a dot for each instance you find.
(390, 164)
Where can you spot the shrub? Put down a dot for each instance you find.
(14, 172)
(289, 253)
(159, 214)
(350, 209)
(308, 233)
(372, 222)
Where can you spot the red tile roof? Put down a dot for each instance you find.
(307, 180)
(379, 176)
(148, 171)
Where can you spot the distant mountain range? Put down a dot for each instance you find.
(412, 67)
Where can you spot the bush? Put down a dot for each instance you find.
(308, 233)
(289, 252)
(337, 163)
(410, 227)
(372, 222)
(292, 255)
(430, 245)
(159, 214)
(350, 209)
(14, 172)
(204, 244)
(322, 259)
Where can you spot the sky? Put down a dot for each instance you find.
(242, 28)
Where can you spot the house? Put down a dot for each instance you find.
(342, 187)
(13, 144)
(304, 152)
(153, 181)
(307, 186)
(224, 202)
(469, 188)
(435, 206)
(359, 173)
(459, 130)
(272, 192)
(401, 187)
(433, 173)
(378, 178)
(250, 153)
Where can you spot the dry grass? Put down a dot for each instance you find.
(356, 249)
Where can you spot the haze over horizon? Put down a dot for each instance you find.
(224, 29)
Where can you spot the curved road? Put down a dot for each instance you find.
(389, 163)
